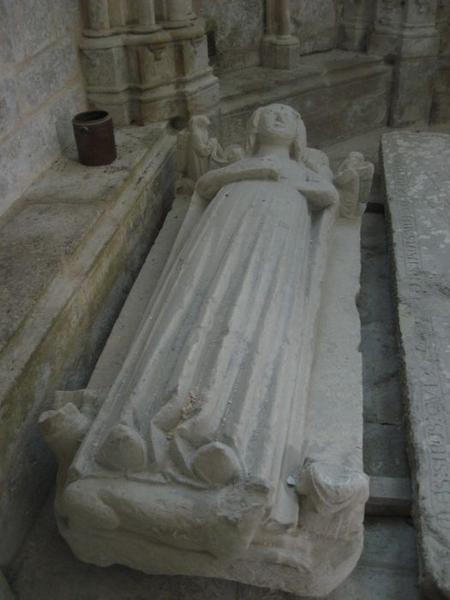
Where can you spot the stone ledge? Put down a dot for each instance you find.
(339, 94)
(77, 241)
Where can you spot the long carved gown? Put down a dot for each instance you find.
(224, 352)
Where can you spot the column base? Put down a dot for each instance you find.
(281, 52)
(176, 24)
(142, 29)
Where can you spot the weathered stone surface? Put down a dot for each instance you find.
(49, 72)
(105, 68)
(415, 79)
(355, 23)
(9, 108)
(418, 188)
(387, 571)
(40, 89)
(6, 32)
(37, 24)
(315, 24)
(242, 440)
(405, 33)
(48, 233)
(72, 297)
(441, 98)
(25, 153)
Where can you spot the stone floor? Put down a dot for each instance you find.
(46, 569)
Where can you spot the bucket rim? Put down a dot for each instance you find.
(91, 117)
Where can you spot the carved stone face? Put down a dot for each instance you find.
(278, 123)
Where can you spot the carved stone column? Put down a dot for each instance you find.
(146, 16)
(179, 13)
(147, 73)
(357, 20)
(280, 49)
(284, 18)
(405, 34)
(98, 15)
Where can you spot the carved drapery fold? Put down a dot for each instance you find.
(208, 440)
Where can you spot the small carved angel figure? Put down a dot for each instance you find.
(198, 153)
(354, 181)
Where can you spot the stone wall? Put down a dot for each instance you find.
(441, 99)
(237, 26)
(315, 24)
(235, 29)
(40, 88)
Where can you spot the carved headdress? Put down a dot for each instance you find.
(299, 146)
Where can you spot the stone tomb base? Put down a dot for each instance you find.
(157, 527)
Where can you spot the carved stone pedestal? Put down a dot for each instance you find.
(144, 67)
(280, 53)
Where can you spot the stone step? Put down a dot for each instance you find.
(68, 255)
(389, 496)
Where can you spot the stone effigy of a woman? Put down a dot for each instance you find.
(200, 460)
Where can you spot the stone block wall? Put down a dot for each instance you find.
(40, 88)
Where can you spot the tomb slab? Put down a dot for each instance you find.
(417, 174)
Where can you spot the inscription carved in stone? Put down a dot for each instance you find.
(417, 171)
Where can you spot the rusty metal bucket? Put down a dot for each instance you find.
(94, 135)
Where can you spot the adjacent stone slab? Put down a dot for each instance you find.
(417, 172)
